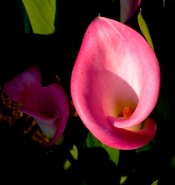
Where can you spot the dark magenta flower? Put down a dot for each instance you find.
(127, 9)
(115, 84)
(48, 105)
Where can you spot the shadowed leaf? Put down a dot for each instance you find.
(91, 141)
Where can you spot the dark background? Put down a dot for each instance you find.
(24, 161)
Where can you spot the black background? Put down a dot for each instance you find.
(23, 161)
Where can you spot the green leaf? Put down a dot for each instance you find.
(172, 162)
(41, 14)
(123, 179)
(27, 25)
(144, 29)
(149, 146)
(113, 153)
(60, 140)
(74, 153)
(155, 182)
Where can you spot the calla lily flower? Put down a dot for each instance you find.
(48, 105)
(115, 84)
(127, 9)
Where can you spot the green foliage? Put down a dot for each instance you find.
(74, 153)
(41, 14)
(113, 153)
(144, 29)
(123, 179)
(172, 162)
(145, 148)
(155, 182)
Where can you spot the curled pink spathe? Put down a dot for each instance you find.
(48, 105)
(116, 67)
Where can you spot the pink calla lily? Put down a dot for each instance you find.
(48, 105)
(115, 84)
(127, 9)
